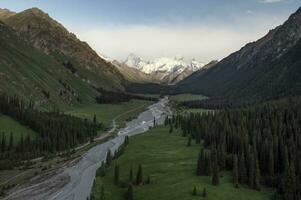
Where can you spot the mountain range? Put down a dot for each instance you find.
(164, 70)
(42, 60)
(266, 69)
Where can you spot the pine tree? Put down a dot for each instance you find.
(116, 175)
(243, 177)
(235, 171)
(131, 175)
(139, 177)
(251, 171)
(109, 158)
(101, 172)
(194, 191)
(11, 141)
(102, 193)
(189, 141)
(148, 180)
(3, 143)
(94, 120)
(170, 128)
(199, 165)
(271, 168)
(257, 176)
(166, 121)
(204, 194)
(215, 177)
(130, 193)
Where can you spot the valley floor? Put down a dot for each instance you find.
(106, 114)
(171, 167)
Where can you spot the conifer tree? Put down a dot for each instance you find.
(257, 176)
(215, 177)
(11, 141)
(251, 171)
(116, 175)
(199, 165)
(139, 177)
(271, 169)
(189, 141)
(3, 143)
(102, 193)
(170, 128)
(148, 180)
(235, 171)
(243, 177)
(130, 192)
(109, 158)
(194, 191)
(204, 193)
(131, 175)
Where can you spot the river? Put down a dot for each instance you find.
(81, 175)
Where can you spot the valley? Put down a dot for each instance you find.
(221, 122)
(81, 173)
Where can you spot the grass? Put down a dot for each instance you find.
(105, 113)
(187, 97)
(8, 125)
(171, 166)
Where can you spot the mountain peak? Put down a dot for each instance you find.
(36, 11)
(5, 13)
(165, 69)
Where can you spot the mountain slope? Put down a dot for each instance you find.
(164, 70)
(264, 69)
(5, 13)
(31, 74)
(132, 74)
(49, 36)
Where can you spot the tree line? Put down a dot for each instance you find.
(260, 144)
(110, 97)
(56, 131)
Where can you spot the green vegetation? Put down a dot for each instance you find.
(8, 125)
(171, 166)
(30, 74)
(187, 97)
(257, 143)
(105, 113)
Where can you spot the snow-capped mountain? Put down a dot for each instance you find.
(167, 70)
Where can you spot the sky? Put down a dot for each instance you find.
(202, 29)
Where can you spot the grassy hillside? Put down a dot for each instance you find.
(171, 166)
(52, 38)
(30, 74)
(9, 125)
